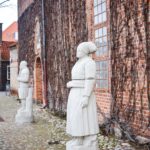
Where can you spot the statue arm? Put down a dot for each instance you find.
(75, 83)
(90, 73)
(69, 84)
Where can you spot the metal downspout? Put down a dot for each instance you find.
(45, 99)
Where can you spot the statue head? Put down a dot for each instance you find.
(85, 48)
(23, 64)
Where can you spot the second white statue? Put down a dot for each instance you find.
(82, 122)
(24, 114)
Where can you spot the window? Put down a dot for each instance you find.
(8, 72)
(37, 35)
(102, 74)
(101, 41)
(99, 11)
(15, 36)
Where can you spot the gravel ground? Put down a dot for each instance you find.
(46, 133)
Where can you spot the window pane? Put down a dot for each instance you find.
(105, 50)
(104, 17)
(95, 2)
(99, 9)
(97, 75)
(101, 51)
(95, 11)
(103, 75)
(99, 1)
(100, 18)
(96, 33)
(105, 40)
(97, 42)
(103, 83)
(100, 42)
(103, 6)
(103, 65)
(96, 20)
(104, 31)
(97, 65)
(98, 52)
(100, 32)
(97, 83)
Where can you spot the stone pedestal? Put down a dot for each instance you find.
(81, 147)
(26, 115)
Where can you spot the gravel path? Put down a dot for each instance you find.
(36, 136)
(46, 133)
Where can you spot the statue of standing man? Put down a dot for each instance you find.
(24, 114)
(82, 122)
(23, 79)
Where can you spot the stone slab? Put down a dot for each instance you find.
(82, 147)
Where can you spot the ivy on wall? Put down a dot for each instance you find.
(130, 62)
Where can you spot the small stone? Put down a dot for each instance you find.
(126, 144)
(118, 132)
(142, 140)
(118, 147)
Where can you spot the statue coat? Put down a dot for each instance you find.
(82, 121)
(23, 79)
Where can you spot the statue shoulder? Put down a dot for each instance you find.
(90, 62)
(25, 70)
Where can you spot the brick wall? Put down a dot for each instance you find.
(65, 28)
(27, 23)
(26, 27)
(130, 67)
(23, 5)
(128, 80)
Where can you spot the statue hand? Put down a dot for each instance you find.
(85, 101)
(69, 84)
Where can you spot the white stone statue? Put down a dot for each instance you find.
(24, 114)
(82, 121)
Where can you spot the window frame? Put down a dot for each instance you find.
(99, 71)
(104, 56)
(99, 52)
(100, 14)
(8, 72)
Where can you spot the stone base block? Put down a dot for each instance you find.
(82, 147)
(23, 117)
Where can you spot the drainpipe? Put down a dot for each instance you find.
(1, 33)
(45, 99)
(1, 26)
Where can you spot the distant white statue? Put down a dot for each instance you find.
(24, 114)
(82, 121)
